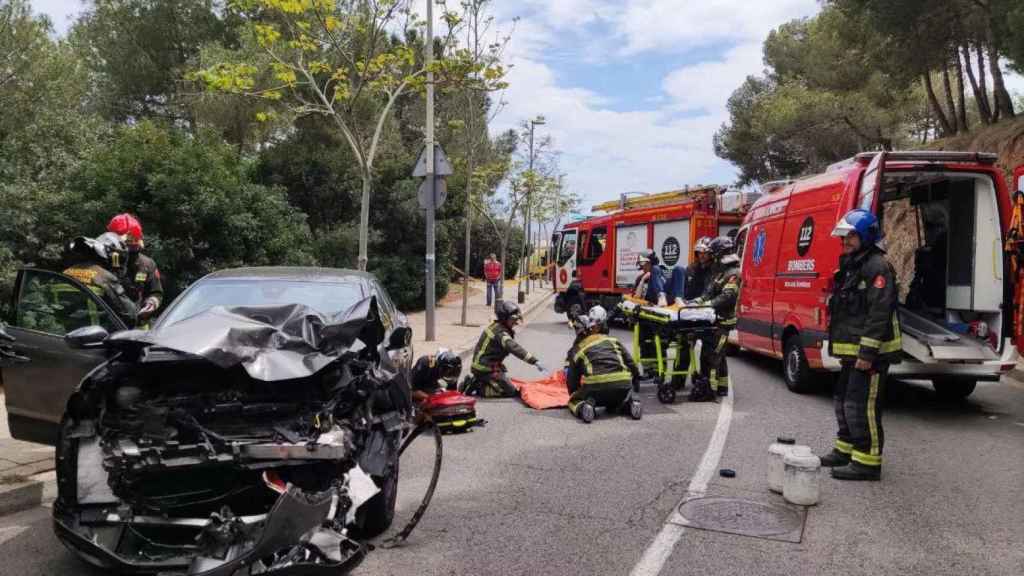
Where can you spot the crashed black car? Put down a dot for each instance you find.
(254, 430)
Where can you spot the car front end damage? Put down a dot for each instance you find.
(267, 447)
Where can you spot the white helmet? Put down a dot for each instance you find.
(598, 316)
(703, 245)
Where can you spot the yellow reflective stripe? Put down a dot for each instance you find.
(845, 349)
(588, 343)
(621, 376)
(728, 322)
(869, 342)
(844, 447)
(654, 318)
(897, 340)
(872, 423)
(866, 459)
(714, 379)
(483, 348)
(721, 343)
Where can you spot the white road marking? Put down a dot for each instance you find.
(664, 543)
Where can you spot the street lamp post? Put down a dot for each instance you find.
(430, 256)
(538, 121)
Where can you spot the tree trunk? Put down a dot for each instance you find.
(983, 84)
(961, 91)
(980, 98)
(1004, 105)
(364, 220)
(947, 129)
(950, 104)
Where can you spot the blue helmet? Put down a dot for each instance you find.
(861, 222)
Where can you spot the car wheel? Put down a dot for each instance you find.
(376, 515)
(954, 388)
(794, 366)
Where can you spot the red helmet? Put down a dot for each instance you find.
(125, 225)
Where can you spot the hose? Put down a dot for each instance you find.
(399, 538)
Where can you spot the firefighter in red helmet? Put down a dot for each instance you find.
(141, 276)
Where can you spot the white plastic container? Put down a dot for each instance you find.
(776, 467)
(801, 483)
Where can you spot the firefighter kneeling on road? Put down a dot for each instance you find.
(721, 294)
(432, 373)
(489, 376)
(864, 333)
(601, 373)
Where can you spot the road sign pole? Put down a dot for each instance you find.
(431, 200)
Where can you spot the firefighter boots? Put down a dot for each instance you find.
(857, 471)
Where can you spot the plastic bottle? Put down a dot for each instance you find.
(801, 484)
(775, 465)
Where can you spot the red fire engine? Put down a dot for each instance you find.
(595, 260)
(953, 234)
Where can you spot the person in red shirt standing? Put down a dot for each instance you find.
(493, 275)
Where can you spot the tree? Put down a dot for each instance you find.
(333, 58)
(139, 51)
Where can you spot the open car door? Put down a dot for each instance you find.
(47, 306)
(1015, 254)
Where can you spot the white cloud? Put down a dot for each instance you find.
(679, 25)
(708, 85)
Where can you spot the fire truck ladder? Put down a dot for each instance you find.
(655, 200)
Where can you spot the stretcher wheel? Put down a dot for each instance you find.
(666, 393)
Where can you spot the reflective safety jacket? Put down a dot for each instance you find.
(107, 286)
(863, 322)
(600, 360)
(495, 344)
(723, 291)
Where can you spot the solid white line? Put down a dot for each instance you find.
(664, 543)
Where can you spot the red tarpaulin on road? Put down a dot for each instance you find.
(548, 392)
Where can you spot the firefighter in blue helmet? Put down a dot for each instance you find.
(864, 333)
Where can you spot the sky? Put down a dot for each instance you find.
(632, 90)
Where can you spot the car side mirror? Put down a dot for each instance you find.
(86, 338)
(400, 338)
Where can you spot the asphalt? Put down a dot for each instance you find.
(538, 492)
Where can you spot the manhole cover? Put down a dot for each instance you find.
(744, 517)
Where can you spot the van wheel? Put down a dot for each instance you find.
(954, 388)
(794, 366)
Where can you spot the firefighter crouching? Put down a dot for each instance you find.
(601, 372)
(96, 264)
(721, 294)
(489, 376)
(433, 373)
(864, 333)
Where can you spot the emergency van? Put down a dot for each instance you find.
(596, 259)
(944, 216)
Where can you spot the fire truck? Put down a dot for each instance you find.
(594, 261)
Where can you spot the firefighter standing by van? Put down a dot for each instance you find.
(864, 333)
(601, 372)
(699, 273)
(488, 375)
(721, 294)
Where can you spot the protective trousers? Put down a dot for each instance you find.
(858, 399)
(712, 359)
(610, 396)
(494, 384)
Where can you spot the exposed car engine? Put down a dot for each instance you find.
(189, 454)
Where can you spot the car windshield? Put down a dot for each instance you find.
(327, 298)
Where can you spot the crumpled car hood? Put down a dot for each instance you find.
(271, 342)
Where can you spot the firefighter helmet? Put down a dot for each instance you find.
(703, 245)
(126, 225)
(508, 311)
(598, 317)
(861, 222)
(721, 246)
(449, 365)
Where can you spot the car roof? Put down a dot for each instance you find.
(304, 273)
